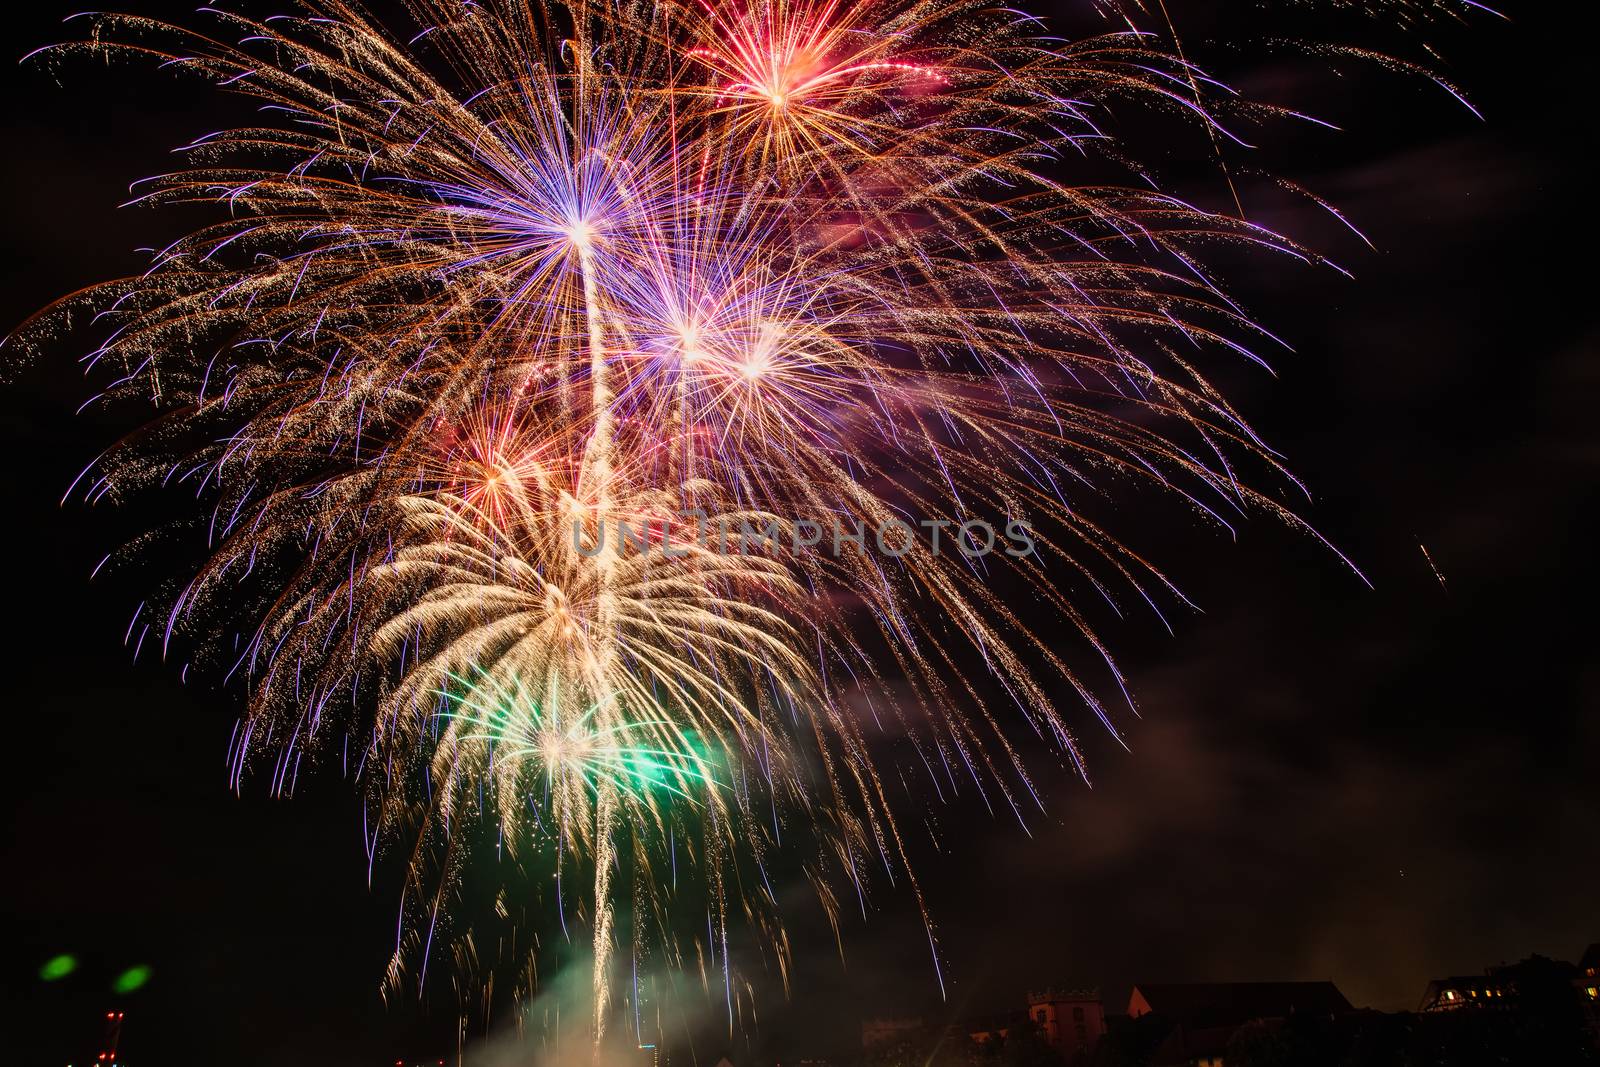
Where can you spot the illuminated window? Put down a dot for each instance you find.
(1449, 994)
(1593, 992)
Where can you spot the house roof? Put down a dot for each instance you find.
(1207, 1004)
(1591, 957)
(1464, 986)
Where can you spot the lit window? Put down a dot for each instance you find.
(1593, 992)
(1449, 994)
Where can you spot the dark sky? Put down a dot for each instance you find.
(1373, 786)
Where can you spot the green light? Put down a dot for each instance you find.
(131, 979)
(636, 757)
(58, 967)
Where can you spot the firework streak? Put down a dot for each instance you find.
(536, 269)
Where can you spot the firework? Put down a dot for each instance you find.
(496, 318)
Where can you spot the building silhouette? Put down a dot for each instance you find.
(1206, 1015)
(1072, 1021)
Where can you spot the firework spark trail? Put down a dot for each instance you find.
(482, 302)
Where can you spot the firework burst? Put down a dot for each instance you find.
(498, 323)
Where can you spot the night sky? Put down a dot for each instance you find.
(1374, 786)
